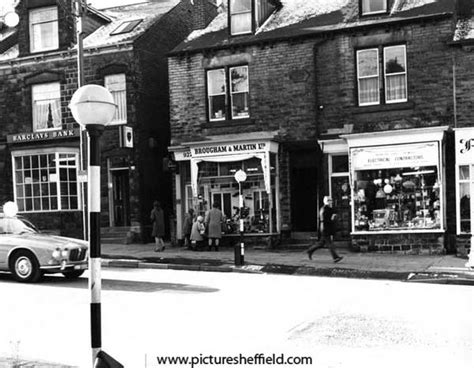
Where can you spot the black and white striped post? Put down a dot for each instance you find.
(93, 107)
(239, 249)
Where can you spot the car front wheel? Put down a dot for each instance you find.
(25, 267)
(73, 274)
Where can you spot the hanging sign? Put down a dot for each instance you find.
(386, 157)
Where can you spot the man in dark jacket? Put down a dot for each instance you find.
(327, 229)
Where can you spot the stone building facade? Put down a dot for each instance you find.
(41, 157)
(356, 99)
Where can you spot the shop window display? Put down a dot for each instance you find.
(397, 199)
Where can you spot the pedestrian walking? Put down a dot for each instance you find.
(197, 233)
(213, 221)
(327, 218)
(158, 220)
(187, 227)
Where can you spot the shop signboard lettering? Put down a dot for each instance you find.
(409, 155)
(228, 149)
(464, 146)
(42, 136)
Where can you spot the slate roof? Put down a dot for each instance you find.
(304, 17)
(149, 12)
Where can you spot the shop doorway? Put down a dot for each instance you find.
(303, 191)
(120, 197)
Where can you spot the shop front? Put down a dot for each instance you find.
(464, 146)
(46, 181)
(205, 175)
(397, 184)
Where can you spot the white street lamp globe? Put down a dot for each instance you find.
(11, 19)
(92, 104)
(10, 209)
(240, 176)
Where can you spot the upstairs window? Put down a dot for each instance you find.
(46, 100)
(228, 102)
(373, 6)
(43, 28)
(246, 15)
(394, 76)
(240, 16)
(116, 84)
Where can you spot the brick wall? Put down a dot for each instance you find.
(281, 85)
(429, 73)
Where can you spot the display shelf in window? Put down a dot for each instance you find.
(397, 199)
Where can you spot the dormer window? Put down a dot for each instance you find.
(369, 7)
(43, 25)
(245, 16)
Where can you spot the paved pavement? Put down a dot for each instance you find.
(447, 269)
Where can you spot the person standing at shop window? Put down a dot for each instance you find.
(213, 221)
(327, 229)
(187, 226)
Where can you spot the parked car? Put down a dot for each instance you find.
(28, 254)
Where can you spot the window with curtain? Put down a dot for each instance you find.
(368, 77)
(228, 103)
(395, 74)
(117, 86)
(373, 6)
(46, 181)
(240, 16)
(239, 93)
(46, 107)
(43, 28)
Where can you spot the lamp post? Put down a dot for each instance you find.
(10, 18)
(239, 249)
(93, 107)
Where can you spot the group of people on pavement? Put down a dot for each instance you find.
(196, 230)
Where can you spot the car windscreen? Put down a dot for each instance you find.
(14, 225)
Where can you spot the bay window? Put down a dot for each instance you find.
(369, 75)
(43, 28)
(228, 103)
(46, 181)
(46, 99)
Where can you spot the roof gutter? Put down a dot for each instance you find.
(318, 31)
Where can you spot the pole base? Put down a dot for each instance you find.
(104, 360)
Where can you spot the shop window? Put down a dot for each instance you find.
(46, 182)
(46, 107)
(228, 103)
(369, 76)
(116, 84)
(43, 28)
(397, 199)
(465, 198)
(373, 6)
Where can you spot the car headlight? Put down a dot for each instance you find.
(57, 254)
